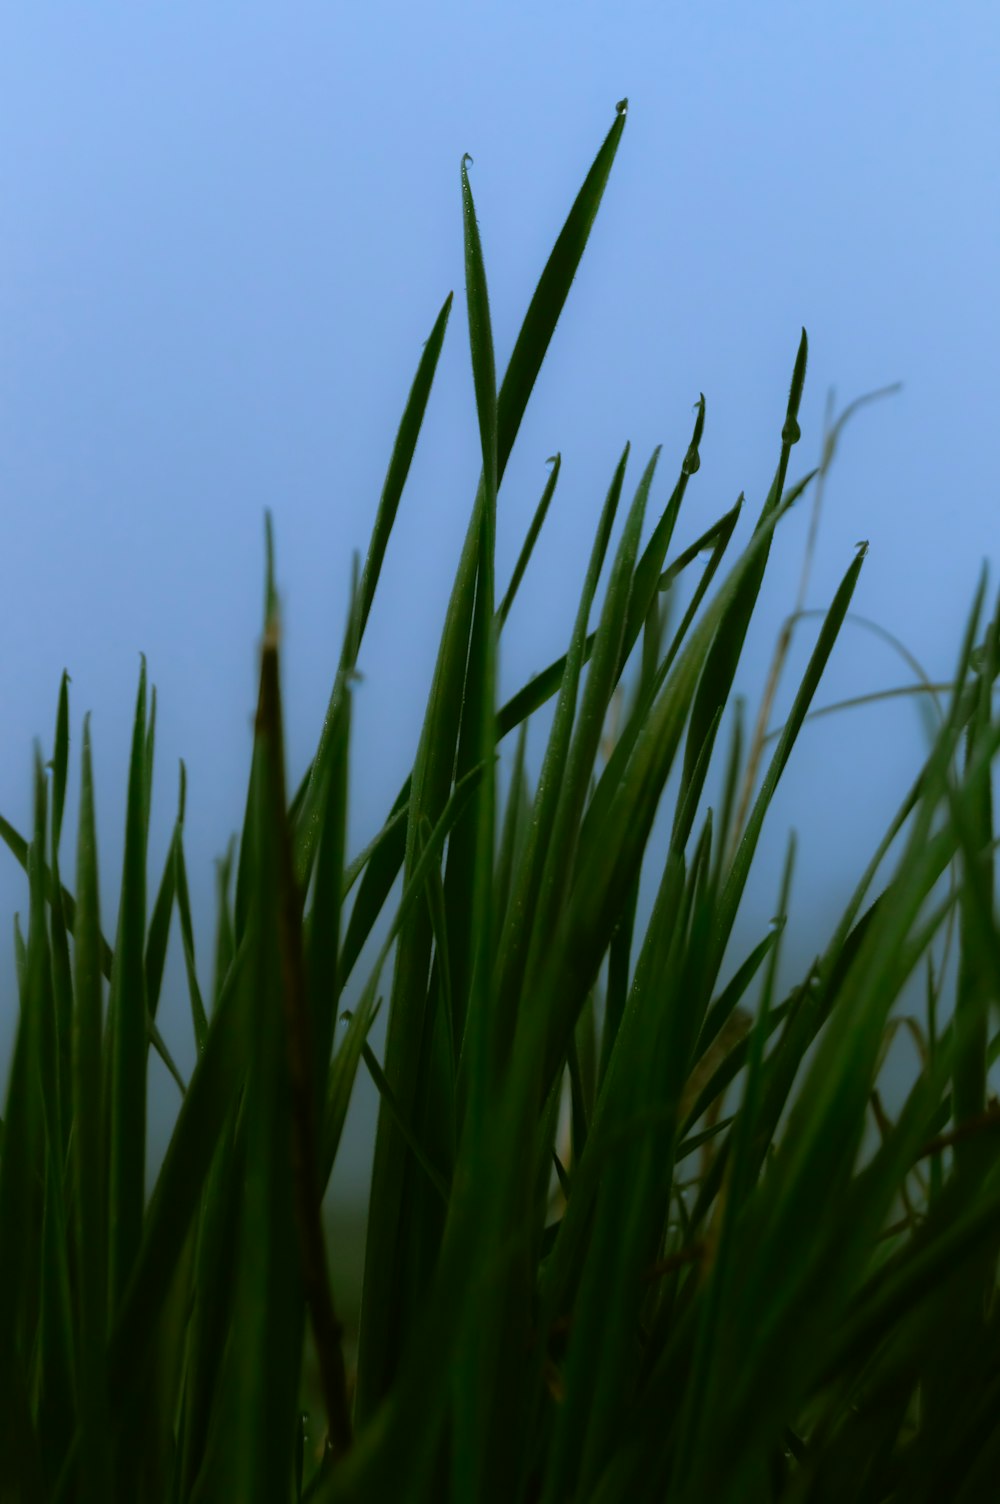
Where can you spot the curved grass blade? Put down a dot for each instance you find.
(62, 983)
(307, 800)
(550, 296)
(523, 559)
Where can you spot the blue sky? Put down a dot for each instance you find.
(225, 233)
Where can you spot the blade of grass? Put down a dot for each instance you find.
(307, 800)
(91, 1199)
(128, 1041)
(527, 548)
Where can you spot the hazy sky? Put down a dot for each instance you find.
(225, 233)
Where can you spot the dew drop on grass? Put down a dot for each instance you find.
(621, 107)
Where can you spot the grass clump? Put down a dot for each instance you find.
(701, 1282)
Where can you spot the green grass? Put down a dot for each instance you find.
(634, 1234)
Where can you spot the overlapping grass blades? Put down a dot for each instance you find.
(628, 1236)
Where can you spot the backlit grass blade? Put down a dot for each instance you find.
(244, 881)
(513, 832)
(481, 341)
(399, 464)
(392, 490)
(527, 548)
(394, 826)
(251, 1449)
(322, 940)
(619, 958)
(20, 954)
(90, 1208)
(438, 910)
(550, 296)
(469, 874)
(706, 542)
(225, 945)
(977, 929)
(128, 1043)
(340, 1081)
(150, 746)
(62, 983)
(385, 859)
(198, 1017)
(728, 809)
(159, 925)
(301, 1127)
